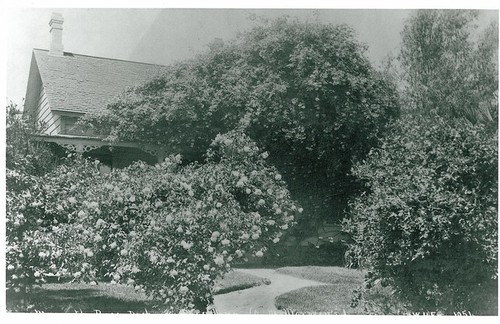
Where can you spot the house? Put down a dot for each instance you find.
(64, 86)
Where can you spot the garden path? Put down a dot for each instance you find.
(260, 299)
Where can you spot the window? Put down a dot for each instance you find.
(68, 127)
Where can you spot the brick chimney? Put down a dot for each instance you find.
(56, 27)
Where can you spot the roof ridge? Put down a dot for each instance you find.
(82, 83)
(103, 58)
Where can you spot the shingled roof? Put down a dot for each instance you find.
(80, 83)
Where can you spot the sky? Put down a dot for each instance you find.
(164, 36)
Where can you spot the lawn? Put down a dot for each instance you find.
(87, 298)
(236, 280)
(329, 275)
(334, 298)
(328, 299)
(112, 298)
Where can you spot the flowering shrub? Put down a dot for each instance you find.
(303, 91)
(168, 229)
(427, 223)
(38, 228)
(27, 242)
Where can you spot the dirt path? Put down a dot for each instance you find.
(260, 299)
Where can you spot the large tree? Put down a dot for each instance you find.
(448, 69)
(303, 91)
(426, 223)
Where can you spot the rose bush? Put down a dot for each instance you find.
(168, 229)
(40, 234)
(304, 91)
(27, 160)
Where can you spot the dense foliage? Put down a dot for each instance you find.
(427, 223)
(27, 160)
(23, 152)
(447, 68)
(168, 229)
(304, 91)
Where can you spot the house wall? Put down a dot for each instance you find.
(50, 123)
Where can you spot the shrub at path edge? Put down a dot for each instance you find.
(168, 229)
(427, 223)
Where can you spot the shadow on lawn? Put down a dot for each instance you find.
(85, 300)
(68, 297)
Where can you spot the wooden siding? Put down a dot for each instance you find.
(49, 122)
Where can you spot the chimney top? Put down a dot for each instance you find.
(56, 17)
(56, 27)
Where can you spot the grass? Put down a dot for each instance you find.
(108, 298)
(236, 280)
(329, 275)
(334, 298)
(87, 298)
(328, 299)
